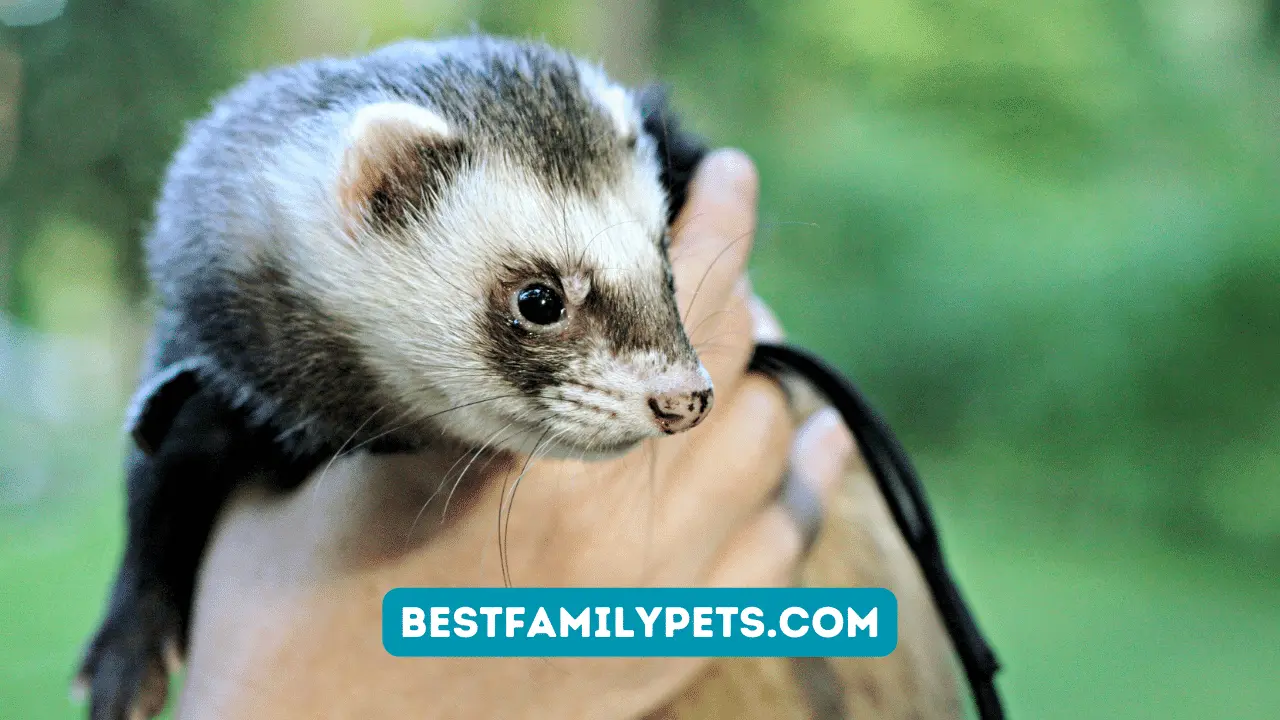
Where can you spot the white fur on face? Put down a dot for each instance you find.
(498, 213)
(616, 384)
(615, 100)
(418, 301)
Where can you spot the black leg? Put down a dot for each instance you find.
(174, 497)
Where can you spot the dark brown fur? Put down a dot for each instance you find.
(256, 379)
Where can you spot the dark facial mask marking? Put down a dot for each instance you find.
(629, 320)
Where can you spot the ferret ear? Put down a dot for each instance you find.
(679, 152)
(158, 402)
(399, 158)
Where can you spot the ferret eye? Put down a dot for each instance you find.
(540, 305)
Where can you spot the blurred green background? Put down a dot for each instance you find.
(1045, 237)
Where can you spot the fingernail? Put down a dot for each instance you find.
(803, 502)
(730, 175)
(836, 432)
(826, 436)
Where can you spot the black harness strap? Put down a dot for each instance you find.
(904, 494)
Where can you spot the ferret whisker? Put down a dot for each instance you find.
(512, 499)
(475, 456)
(502, 558)
(492, 456)
(445, 478)
(448, 283)
(712, 341)
(463, 456)
(770, 224)
(431, 416)
(582, 256)
(409, 208)
(716, 349)
(315, 487)
(502, 550)
(692, 331)
(697, 290)
(445, 481)
(681, 227)
(678, 229)
(506, 478)
(383, 431)
(594, 409)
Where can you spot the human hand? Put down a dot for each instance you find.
(288, 614)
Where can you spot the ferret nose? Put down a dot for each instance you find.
(679, 411)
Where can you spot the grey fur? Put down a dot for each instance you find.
(266, 345)
(255, 373)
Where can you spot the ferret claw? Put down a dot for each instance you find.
(125, 672)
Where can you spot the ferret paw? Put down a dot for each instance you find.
(125, 672)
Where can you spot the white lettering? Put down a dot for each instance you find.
(513, 620)
(786, 627)
(542, 624)
(834, 629)
(648, 619)
(702, 622)
(753, 628)
(727, 613)
(440, 622)
(464, 618)
(411, 622)
(491, 613)
(570, 622)
(621, 631)
(870, 623)
(672, 625)
(602, 630)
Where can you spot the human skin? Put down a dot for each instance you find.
(287, 621)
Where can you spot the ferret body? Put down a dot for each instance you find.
(461, 241)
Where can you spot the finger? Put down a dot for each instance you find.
(730, 467)
(714, 233)
(767, 551)
(724, 342)
(764, 554)
(767, 327)
(819, 456)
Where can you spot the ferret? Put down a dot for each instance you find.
(463, 240)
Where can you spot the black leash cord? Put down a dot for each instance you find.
(904, 494)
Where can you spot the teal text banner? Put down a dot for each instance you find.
(640, 622)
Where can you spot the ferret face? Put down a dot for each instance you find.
(504, 268)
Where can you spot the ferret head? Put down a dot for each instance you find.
(497, 247)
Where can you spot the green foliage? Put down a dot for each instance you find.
(105, 92)
(1024, 226)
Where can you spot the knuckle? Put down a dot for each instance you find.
(780, 547)
(766, 404)
(724, 343)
